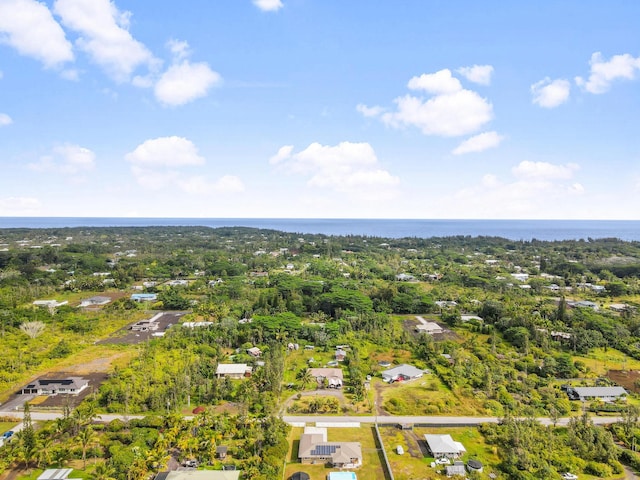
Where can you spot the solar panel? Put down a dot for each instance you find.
(324, 450)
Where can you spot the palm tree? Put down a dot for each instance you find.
(103, 471)
(305, 377)
(45, 446)
(85, 438)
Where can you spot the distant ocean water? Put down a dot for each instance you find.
(511, 229)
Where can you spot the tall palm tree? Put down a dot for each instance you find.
(305, 377)
(85, 438)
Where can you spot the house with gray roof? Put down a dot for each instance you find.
(314, 448)
(605, 394)
(401, 373)
(54, 386)
(443, 446)
(455, 470)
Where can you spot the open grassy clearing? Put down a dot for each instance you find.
(600, 361)
(426, 396)
(371, 461)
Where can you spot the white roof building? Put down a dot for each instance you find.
(444, 446)
(401, 373)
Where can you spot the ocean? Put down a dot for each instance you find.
(526, 230)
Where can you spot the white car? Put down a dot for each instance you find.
(443, 461)
(569, 476)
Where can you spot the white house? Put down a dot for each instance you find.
(51, 386)
(233, 370)
(443, 446)
(333, 376)
(402, 373)
(431, 328)
(606, 394)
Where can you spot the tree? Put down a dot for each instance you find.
(305, 377)
(85, 438)
(28, 441)
(32, 329)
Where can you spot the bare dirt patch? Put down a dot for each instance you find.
(130, 337)
(626, 379)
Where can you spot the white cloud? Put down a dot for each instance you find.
(549, 93)
(67, 159)
(5, 120)
(283, 153)
(179, 49)
(604, 73)
(451, 111)
(479, 143)
(157, 164)
(477, 73)
(105, 36)
(29, 27)
(369, 111)
(268, 5)
(17, 206)
(229, 184)
(185, 82)
(348, 167)
(576, 188)
(436, 83)
(544, 170)
(165, 152)
(447, 115)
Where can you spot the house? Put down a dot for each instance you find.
(443, 446)
(233, 370)
(95, 301)
(51, 386)
(254, 352)
(583, 304)
(521, 277)
(431, 328)
(144, 297)
(196, 324)
(49, 303)
(446, 303)
(340, 355)
(315, 449)
(144, 326)
(605, 394)
(193, 474)
(619, 307)
(178, 283)
(401, 373)
(332, 376)
(405, 277)
(55, 474)
(467, 318)
(457, 469)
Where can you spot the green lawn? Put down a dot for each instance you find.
(426, 396)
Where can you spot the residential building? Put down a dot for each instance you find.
(54, 386)
(233, 370)
(443, 446)
(605, 394)
(401, 373)
(314, 448)
(331, 376)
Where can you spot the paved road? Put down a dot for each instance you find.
(392, 419)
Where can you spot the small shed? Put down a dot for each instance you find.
(221, 451)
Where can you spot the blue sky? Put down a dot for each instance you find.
(320, 109)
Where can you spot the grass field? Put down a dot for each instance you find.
(599, 361)
(426, 396)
